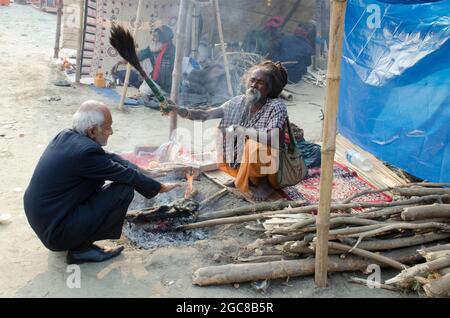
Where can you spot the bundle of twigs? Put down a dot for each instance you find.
(372, 231)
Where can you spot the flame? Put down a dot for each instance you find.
(152, 164)
(189, 187)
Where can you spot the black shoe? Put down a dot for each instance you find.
(92, 254)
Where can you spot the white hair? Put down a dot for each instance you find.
(89, 115)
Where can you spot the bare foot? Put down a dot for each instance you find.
(262, 191)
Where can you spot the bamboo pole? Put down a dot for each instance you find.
(179, 49)
(222, 44)
(58, 29)
(128, 72)
(195, 27)
(318, 41)
(329, 141)
(188, 30)
(80, 43)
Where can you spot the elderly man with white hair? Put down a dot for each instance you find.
(67, 202)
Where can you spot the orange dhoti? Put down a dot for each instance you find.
(257, 161)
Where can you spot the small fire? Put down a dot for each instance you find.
(152, 164)
(189, 187)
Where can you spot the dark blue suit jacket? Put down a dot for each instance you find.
(72, 168)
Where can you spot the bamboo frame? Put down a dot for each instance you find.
(80, 43)
(179, 49)
(188, 30)
(222, 44)
(128, 72)
(195, 27)
(58, 30)
(329, 139)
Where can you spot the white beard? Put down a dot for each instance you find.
(252, 96)
(155, 46)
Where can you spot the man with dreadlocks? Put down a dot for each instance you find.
(250, 128)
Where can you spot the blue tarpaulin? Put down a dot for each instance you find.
(395, 83)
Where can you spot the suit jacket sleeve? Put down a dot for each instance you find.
(96, 164)
(120, 160)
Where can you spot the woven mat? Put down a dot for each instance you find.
(345, 183)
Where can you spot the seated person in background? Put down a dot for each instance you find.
(261, 111)
(296, 50)
(265, 41)
(160, 56)
(67, 202)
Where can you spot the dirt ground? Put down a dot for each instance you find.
(28, 121)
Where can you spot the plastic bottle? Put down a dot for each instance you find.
(358, 160)
(99, 80)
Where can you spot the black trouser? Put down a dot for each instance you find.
(101, 217)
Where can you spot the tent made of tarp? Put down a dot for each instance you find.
(395, 90)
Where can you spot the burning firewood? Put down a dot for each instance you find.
(178, 209)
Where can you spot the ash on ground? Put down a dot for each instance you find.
(150, 235)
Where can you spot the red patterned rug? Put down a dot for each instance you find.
(345, 184)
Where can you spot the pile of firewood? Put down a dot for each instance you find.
(383, 233)
(317, 78)
(431, 277)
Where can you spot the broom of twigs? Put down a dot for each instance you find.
(124, 43)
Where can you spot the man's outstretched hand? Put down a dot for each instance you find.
(181, 111)
(166, 187)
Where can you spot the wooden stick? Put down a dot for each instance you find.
(380, 213)
(290, 14)
(274, 240)
(176, 75)
(376, 257)
(432, 256)
(380, 245)
(422, 184)
(188, 30)
(426, 212)
(237, 273)
(409, 192)
(419, 270)
(213, 198)
(368, 283)
(305, 209)
(439, 287)
(286, 96)
(260, 259)
(402, 226)
(80, 43)
(222, 44)
(58, 30)
(318, 35)
(333, 221)
(436, 248)
(231, 190)
(266, 206)
(195, 27)
(128, 71)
